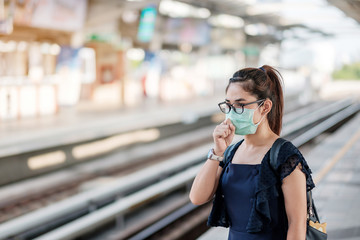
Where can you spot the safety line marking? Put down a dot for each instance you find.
(340, 154)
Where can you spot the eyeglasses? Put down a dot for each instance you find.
(225, 107)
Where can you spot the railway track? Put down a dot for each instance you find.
(329, 114)
(44, 156)
(65, 183)
(83, 175)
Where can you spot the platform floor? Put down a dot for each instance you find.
(336, 169)
(72, 124)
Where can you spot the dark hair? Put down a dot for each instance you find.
(264, 82)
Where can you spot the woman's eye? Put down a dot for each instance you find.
(237, 105)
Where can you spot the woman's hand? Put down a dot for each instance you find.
(223, 136)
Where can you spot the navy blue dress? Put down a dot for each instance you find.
(238, 186)
(249, 198)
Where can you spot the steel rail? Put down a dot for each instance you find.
(302, 111)
(86, 199)
(326, 125)
(108, 213)
(104, 166)
(315, 116)
(69, 150)
(159, 225)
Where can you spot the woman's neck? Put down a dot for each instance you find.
(263, 136)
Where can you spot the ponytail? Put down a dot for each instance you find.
(274, 80)
(264, 82)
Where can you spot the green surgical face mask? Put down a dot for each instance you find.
(243, 123)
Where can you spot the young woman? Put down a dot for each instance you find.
(250, 198)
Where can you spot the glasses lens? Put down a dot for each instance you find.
(224, 107)
(239, 108)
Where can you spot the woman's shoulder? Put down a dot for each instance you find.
(288, 146)
(288, 150)
(290, 157)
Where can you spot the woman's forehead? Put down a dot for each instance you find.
(236, 91)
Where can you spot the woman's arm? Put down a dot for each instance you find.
(206, 181)
(294, 189)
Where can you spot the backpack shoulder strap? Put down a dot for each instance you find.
(274, 152)
(229, 150)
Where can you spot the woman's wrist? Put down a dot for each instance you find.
(218, 152)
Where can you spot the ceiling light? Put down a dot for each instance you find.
(176, 9)
(129, 16)
(256, 29)
(226, 21)
(135, 54)
(186, 47)
(203, 12)
(271, 8)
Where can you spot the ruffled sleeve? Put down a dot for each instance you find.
(289, 158)
(290, 165)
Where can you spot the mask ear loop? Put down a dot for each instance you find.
(257, 124)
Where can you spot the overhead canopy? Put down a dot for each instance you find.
(302, 19)
(350, 7)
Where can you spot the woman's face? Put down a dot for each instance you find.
(236, 93)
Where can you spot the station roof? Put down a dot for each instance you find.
(350, 7)
(269, 13)
(303, 19)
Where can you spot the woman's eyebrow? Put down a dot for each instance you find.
(237, 100)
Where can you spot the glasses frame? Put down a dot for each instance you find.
(231, 106)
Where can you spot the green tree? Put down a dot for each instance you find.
(348, 72)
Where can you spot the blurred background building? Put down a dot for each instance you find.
(109, 54)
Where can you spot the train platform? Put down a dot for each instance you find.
(72, 125)
(89, 121)
(335, 163)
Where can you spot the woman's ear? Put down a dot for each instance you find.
(267, 105)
